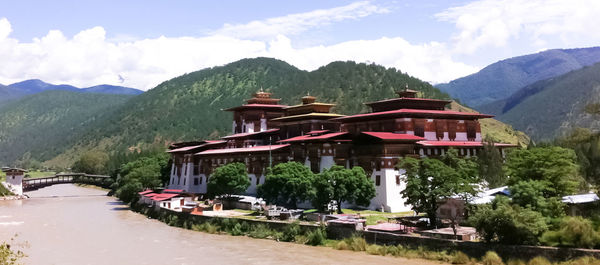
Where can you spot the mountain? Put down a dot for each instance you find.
(501, 79)
(553, 107)
(189, 107)
(43, 125)
(8, 94)
(113, 90)
(34, 86)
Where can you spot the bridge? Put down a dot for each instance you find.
(80, 178)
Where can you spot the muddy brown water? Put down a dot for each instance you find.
(66, 224)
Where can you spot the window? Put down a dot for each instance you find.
(196, 168)
(471, 130)
(257, 180)
(184, 181)
(398, 180)
(377, 180)
(419, 128)
(195, 181)
(439, 129)
(173, 181)
(452, 129)
(201, 180)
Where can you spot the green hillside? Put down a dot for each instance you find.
(189, 107)
(43, 125)
(501, 79)
(553, 107)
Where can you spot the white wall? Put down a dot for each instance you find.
(326, 163)
(15, 184)
(388, 192)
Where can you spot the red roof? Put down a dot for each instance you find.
(460, 143)
(164, 196)
(415, 99)
(318, 132)
(257, 106)
(416, 111)
(172, 191)
(239, 135)
(310, 137)
(188, 148)
(145, 192)
(394, 136)
(150, 195)
(260, 148)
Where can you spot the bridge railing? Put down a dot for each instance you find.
(36, 183)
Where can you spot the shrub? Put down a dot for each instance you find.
(342, 245)
(236, 230)
(539, 261)
(573, 232)
(515, 262)
(491, 258)
(290, 232)
(374, 249)
(316, 237)
(356, 243)
(584, 261)
(260, 231)
(392, 250)
(460, 258)
(508, 224)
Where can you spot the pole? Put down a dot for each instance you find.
(270, 156)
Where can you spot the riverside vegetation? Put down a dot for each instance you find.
(317, 236)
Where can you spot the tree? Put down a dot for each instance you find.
(430, 181)
(491, 163)
(340, 184)
(142, 173)
(587, 148)
(92, 162)
(228, 180)
(508, 224)
(553, 168)
(287, 184)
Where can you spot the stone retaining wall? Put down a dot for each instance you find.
(478, 249)
(473, 249)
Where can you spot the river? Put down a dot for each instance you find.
(66, 224)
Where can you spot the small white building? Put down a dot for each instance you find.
(14, 179)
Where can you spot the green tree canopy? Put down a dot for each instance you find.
(587, 147)
(429, 181)
(554, 168)
(143, 173)
(287, 184)
(507, 223)
(228, 180)
(340, 184)
(92, 162)
(491, 164)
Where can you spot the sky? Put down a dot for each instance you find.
(141, 43)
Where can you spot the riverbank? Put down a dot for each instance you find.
(69, 225)
(383, 244)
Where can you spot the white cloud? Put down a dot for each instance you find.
(496, 23)
(297, 23)
(88, 58)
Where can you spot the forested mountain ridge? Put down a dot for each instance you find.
(189, 107)
(33, 86)
(553, 107)
(501, 79)
(41, 126)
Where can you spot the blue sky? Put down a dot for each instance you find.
(144, 42)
